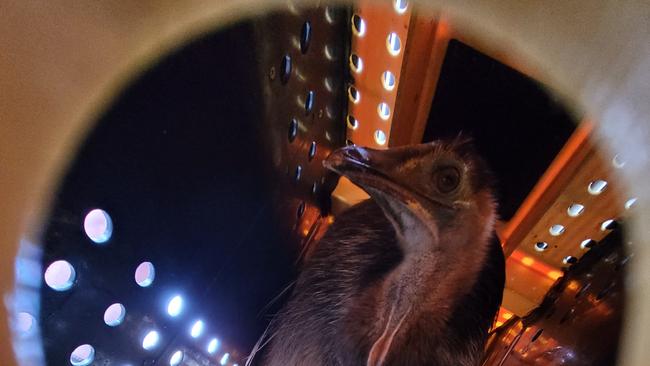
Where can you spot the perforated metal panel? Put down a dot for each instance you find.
(209, 167)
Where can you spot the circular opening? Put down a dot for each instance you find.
(400, 6)
(352, 122)
(150, 341)
(537, 334)
(176, 358)
(569, 259)
(213, 345)
(301, 209)
(358, 25)
(394, 44)
(384, 111)
(608, 225)
(556, 230)
(82, 355)
(354, 94)
(145, 274)
(587, 243)
(618, 162)
(175, 306)
(597, 187)
(114, 315)
(309, 102)
(60, 275)
(305, 37)
(98, 226)
(630, 203)
(356, 63)
(541, 246)
(388, 80)
(312, 150)
(285, 69)
(25, 322)
(293, 129)
(380, 137)
(575, 210)
(197, 329)
(298, 173)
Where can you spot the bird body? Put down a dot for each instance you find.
(409, 277)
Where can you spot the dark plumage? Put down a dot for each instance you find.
(411, 277)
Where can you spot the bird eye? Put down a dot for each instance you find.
(447, 179)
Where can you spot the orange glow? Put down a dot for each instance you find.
(537, 266)
(573, 285)
(554, 275)
(527, 261)
(498, 324)
(507, 316)
(536, 197)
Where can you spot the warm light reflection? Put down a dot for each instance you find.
(527, 261)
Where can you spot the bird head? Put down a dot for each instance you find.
(438, 186)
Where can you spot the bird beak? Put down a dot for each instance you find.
(368, 168)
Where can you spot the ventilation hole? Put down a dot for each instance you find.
(330, 15)
(388, 80)
(82, 355)
(353, 124)
(556, 230)
(175, 306)
(197, 329)
(293, 129)
(312, 150)
(114, 315)
(98, 226)
(176, 358)
(537, 334)
(301, 209)
(380, 137)
(224, 359)
(356, 63)
(150, 341)
(569, 259)
(358, 25)
(630, 203)
(314, 188)
(298, 173)
(305, 37)
(597, 187)
(541, 246)
(354, 94)
(383, 110)
(587, 243)
(394, 44)
(608, 225)
(60, 275)
(568, 315)
(25, 322)
(213, 345)
(604, 292)
(285, 69)
(622, 263)
(575, 210)
(400, 6)
(582, 290)
(309, 102)
(618, 162)
(145, 273)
